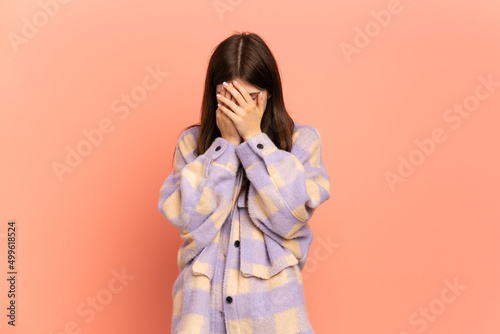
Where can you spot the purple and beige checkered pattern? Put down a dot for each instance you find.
(240, 267)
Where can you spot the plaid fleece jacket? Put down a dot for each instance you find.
(240, 267)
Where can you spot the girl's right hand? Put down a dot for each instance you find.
(225, 124)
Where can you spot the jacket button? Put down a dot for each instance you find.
(217, 148)
(260, 146)
(237, 243)
(229, 299)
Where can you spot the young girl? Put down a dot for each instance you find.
(246, 181)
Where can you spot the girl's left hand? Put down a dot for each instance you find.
(246, 115)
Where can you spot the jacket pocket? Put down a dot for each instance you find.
(204, 263)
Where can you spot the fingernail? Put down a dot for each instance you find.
(225, 84)
(235, 82)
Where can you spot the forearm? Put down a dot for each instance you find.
(198, 190)
(286, 186)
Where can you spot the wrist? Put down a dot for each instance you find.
(232, 140)
(251, 135)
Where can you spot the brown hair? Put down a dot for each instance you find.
(246, 56)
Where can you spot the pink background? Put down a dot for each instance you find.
(383, 256)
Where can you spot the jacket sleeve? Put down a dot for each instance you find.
(285, 187)
(196, 197)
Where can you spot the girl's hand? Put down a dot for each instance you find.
(225, 124)
(245, 114)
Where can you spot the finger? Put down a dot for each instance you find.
(222, 116)
(228, 112)
(232, 106)
(233, 99)
(218, 118)
(236, 93)
(260, 102)
(243, 92)
(226, 93)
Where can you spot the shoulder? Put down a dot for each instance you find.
(305, 135)
(192, 131)
(188, 139)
